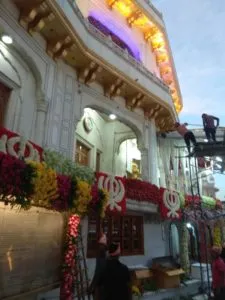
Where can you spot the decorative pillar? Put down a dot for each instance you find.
(152, 154)
(144, 164)
(42, 107)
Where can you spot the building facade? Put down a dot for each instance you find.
(95, 80)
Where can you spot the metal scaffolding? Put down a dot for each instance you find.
(211, 151)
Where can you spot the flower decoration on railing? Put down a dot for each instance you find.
(31, 183)
(68, 270)
(27, 183)
(142, 191)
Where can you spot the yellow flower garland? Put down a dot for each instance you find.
(217, 237)
(45, 185)
(82, 198)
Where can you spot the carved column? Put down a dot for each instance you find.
(144, 164)
(152, 153)
(42, 107)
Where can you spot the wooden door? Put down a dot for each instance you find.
(4, 97)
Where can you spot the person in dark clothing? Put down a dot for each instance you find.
(115, 280)
(210, 127)
(188, 135)
(218, 274)
(95, 289)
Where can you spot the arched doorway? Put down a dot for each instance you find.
(174, 241)
(4, 98)
(105, 143)
(192, 243)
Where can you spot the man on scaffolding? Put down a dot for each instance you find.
(187, 134)
(209, 126)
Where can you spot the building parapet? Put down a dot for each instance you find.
(152, 10)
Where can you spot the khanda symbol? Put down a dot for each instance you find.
(115, 188)
(172, 202)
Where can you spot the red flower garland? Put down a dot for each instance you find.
(15, 180)
(68, 272)
(64, 190)
(142, 191)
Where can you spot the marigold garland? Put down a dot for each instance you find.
(82, 198)
(45, 185)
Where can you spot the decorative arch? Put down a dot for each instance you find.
(107, 110)
(174, 240)
(24, 56)
(33, 68)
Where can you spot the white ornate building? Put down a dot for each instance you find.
(95, 80)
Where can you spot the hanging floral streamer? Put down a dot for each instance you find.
(100, 199)
(68, 270)
(217, 236)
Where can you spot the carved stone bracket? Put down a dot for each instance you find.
(153, 112)
(59, 48)
(35, 17)
(40, 22)
(135, 101)
(114, 89)
(89, 73)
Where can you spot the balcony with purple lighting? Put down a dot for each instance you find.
(118, 35)
(111, 43)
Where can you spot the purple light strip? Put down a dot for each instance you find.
(120, 32)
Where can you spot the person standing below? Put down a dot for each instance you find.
(95, 289)
(115, 280)
(218, 274)
(210, 127)
(187, 134)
